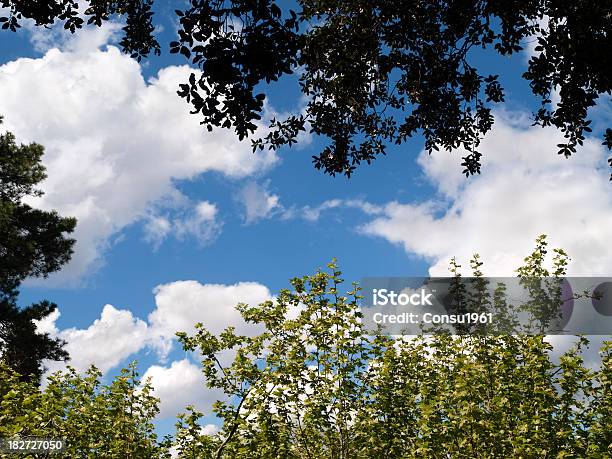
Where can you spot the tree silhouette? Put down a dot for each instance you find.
(378, 73)
(373, 73)
(137, 40)
(32, 243)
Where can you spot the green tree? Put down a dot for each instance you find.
(22, 347)
(32, 243)
(315, 383)
(373, 73)
(96, 420)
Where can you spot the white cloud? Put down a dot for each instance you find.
(187, 220)
(117, 334)
(180, 305)
(179, 385)
(210, 429)
(156, 229)
(314, 213)
(115, 144)
(525, 190)
(47, 324)
(106, 343)
(86, 39)
(201, 223)
(258, 202)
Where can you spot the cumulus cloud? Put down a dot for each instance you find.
(258, 202)
(179, 385)
(180, 305)
(106, 343)
(525, 190)
(118, 334)
(115, 143)
(47, 324)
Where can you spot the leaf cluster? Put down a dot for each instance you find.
(138, 39)
(373, 74)
(95, 420)
(378, 73)
(316, 384)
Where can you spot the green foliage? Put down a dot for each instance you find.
(189, 440)
(315, 384)
(96, 420)
(32, 243)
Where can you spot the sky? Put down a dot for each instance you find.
(177, 225)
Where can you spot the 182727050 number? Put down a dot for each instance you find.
(31, 445)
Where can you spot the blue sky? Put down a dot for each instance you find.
(161, 202)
